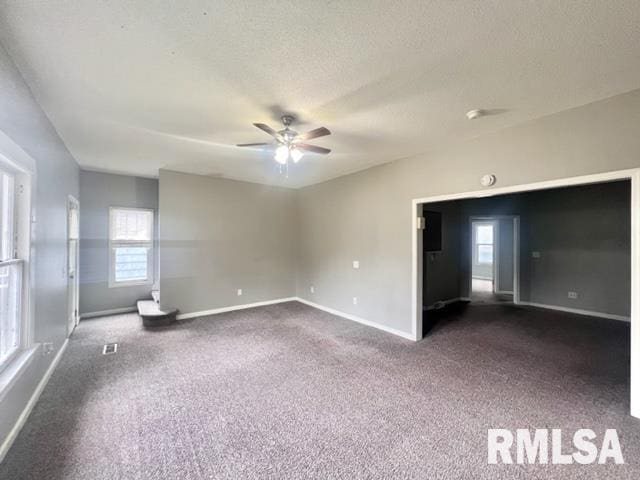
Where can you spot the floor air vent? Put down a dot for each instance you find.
(110, 348)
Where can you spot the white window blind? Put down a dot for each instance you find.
(131, 246)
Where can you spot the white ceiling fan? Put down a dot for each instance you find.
(289, 144)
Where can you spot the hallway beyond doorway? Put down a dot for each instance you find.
(482, 292)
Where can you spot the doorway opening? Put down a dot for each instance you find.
(494, 246)
(483, 258)
(579, 261)
(73, 285)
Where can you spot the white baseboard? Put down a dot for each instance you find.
(184, 316)
(13, 434)
(354, 318)
(504, 292)
(578, 311)
(104, 313)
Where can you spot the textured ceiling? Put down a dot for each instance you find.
(134, 86)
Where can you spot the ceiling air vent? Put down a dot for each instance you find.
(110, 348)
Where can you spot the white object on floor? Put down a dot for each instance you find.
(151, 314)
(479, 285)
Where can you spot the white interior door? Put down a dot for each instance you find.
(73, 237)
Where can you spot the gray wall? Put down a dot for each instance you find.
(583, 235)
(442, 269)
(98, 192)
(505, 255)
(22, 119)
(219, 235)
(367, 215)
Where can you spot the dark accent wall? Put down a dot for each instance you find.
(442, 270)
(582, 236)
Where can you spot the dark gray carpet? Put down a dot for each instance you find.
(287, 391)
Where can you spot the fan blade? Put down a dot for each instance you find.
(318, 132)
(253, 145)
(312, 148)
(269, 130)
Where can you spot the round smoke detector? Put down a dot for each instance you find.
(488, 180)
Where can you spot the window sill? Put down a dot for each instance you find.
(12, 372)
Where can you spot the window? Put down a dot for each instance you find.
(484, 244)
(130, 246)
(11, 270)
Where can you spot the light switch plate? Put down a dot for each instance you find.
(356, 264)
(239, 291)
(535, 254)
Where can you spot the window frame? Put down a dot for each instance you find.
(16, 163)
(477, 245)
(132, 243)
(12, 260)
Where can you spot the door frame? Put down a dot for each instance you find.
(515, 219)
(631, 174)
(496, 245)
(73, 320)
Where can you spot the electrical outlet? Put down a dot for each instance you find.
(239, 291)
(47, 348)
(355, 300)
(356, 264)
(312, 289)
(535, 254)
(572, 295)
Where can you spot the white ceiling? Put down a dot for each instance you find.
(134, 86)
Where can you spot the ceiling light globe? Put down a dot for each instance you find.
(282, 154)
(296, 155)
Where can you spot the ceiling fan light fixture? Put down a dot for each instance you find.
(282, 154)
(291, 145)
(296, 155)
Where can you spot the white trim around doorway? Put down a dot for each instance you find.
(73, 296)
